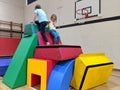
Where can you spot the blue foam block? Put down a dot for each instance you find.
(4, 63)
(61, 76)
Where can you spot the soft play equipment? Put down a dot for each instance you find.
(61, 75)
(8, 46)
(38, 72)
(41, 40)
(58, 52)
(54, 67)
(4, 63)
(30, 29)
(17, 70)
(91, 70)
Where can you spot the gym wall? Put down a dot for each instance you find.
(12, 10)
(94, 35)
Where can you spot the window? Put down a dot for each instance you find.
(30, 1)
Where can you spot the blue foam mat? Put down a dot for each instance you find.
(4, 63)
(61, 76)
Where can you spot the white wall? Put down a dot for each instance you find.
(58, 7)
(93, 38)
(65, 10)
(96, 38)
(29, 10)
(100, 37)
(12, 10)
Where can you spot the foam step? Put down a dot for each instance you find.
(58, 52)
(61, 76)
(30, 29)
(17, 71)
(4, 63)
(90, 71)
(41, 40)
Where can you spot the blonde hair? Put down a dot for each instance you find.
(53, 15)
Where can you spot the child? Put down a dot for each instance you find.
(52, 28)
(41, 22)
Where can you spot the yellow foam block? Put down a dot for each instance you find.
(38, 72)
(37, 67)
(91, 70)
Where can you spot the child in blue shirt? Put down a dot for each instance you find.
(41, 22)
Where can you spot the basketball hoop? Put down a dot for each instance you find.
(83, 13)
(86, 15)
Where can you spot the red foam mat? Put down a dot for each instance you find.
(41, 40)
(8, 46)
(58, 52)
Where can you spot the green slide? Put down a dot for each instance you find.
(16, 73)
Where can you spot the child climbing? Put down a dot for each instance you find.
(40, 18)
(52, 28)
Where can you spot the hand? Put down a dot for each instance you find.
(33, 22)
(48, 22)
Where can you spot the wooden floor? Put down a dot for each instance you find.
(112, 84)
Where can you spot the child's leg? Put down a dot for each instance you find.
(53, 33)
(58, 37)
(42, 30)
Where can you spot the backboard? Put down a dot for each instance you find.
(87, 8)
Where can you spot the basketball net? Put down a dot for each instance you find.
(86, 14)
